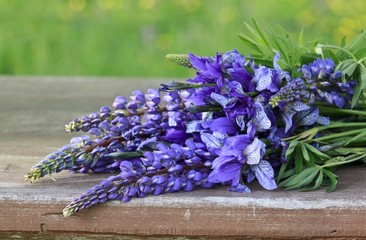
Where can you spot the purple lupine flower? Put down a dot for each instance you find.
(119, 103)
(227, 166)
(119, 188)
(168, 169)
(62, 159)
(209, 69)
(153, 100)
(231, 58)
(324, 84)
(85, 123)
(237, 151)
(294, 90)
(136, 103)
(321, 68)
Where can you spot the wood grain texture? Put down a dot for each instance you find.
(33, 114)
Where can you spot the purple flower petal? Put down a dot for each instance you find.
(261, 119)
(264, 173)
(211, 141)
(194, 126)
(240, 121)
(275, 60)
(197, 62)
(236, 89)
(323, 120)
(308, 117)
(263, 78)
(223, 125)
(222, 160)
(240, 188)
(290, 109)
(175, 136)
(214, 71)
(221, 99)
(254, 152)
(225, 172)
(239, 142)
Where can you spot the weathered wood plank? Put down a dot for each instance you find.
(33, 112)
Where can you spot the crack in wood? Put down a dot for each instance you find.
(7, 167)
(42, 227)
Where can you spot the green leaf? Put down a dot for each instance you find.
(343, 41)
(302, 179)
(252, 31)
(288, 173)
(301, 36)
(305, 181)
(357, 42)
(361, 78)
(304, 152)
(262, 38)
(317, 184)
(350, 69)
(284, 182)
(281, 171)
(362, 75)
(281, 49)
(291, 149)
(316, 152)
(360, 53)
(299, 158)
(356, 96)
(250, 43)
(329, 53)
(295, 179)
(333, 179)
(347, 65)
(261, 33)
(312, 43)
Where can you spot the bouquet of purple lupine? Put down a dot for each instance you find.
(286, 114)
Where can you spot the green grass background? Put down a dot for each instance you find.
(132, 37)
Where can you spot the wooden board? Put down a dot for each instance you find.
(33, 112)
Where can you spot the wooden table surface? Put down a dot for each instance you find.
(33, 112)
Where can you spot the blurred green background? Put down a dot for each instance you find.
(132, 37)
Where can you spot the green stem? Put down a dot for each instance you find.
(346, 111)
(361, 60)
(341, 124)
(336, 135)
(338, 48)
(315, 130)
(345, 162)
(359, 105)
